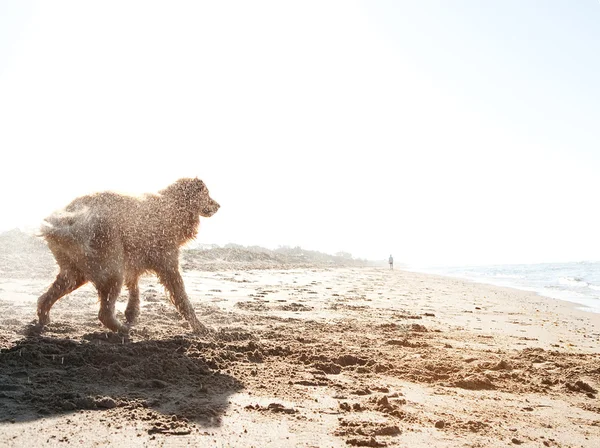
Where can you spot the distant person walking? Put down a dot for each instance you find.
(391, 261)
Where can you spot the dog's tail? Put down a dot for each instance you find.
(65, 227)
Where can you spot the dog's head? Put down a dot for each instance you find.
(193, 194)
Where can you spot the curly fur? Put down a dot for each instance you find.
(110, 239)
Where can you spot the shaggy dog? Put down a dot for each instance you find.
(109, 239)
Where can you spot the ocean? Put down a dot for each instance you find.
(574, 282)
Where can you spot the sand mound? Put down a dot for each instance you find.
(241, 258)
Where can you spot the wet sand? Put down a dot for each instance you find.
(303, 357)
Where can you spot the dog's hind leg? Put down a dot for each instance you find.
(133, 305)
(67, 280)
(108, 291)
(173, 283)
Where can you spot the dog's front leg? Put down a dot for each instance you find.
(173, 283)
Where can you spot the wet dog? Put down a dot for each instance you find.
(111, 239)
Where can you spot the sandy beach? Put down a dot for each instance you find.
(322, 357)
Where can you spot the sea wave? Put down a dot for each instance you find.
(573, 281)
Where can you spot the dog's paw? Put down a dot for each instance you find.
(124, 330)
(131, 316)
(202, 330)
(43, 319)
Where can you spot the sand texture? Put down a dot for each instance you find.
(341, 356)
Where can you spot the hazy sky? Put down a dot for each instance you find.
(439, 131)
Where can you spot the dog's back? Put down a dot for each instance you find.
(111, 228)
(90, 226)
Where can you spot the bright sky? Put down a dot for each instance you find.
(441, 132)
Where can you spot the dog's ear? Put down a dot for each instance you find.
(184, 187)
(197, 186)
(184, 191)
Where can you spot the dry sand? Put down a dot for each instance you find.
(303, 357)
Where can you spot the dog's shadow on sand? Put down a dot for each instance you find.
(174, 379)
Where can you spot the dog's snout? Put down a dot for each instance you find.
(210, 208)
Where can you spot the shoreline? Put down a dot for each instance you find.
(524, 302)
(579, 304)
